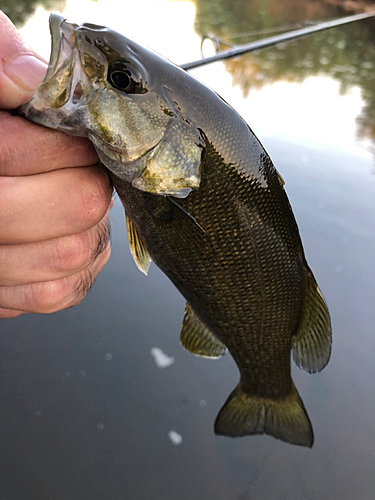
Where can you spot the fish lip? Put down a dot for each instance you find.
(62, 42)
(63, 47)
(55, 22)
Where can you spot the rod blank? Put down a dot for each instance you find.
(273, 40)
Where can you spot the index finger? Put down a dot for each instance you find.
(27, 148)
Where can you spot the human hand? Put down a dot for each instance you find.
(54, 205)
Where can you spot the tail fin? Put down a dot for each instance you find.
(285, 419)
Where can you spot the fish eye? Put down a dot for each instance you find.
(125, 79)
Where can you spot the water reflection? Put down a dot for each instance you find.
(346, 54)
(20, 10)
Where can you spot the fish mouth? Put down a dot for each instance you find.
(66, 67)
(65, 84)
(64, 64)
(61, 89)
(63, 42)
(69, 98)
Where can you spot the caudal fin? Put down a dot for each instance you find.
(285, 419)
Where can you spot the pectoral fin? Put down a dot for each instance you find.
(137, 247)
(312, 342)
(197, 338)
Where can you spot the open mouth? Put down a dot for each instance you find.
(62, 86)
(63, 43)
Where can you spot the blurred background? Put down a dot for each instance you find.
(101, 401)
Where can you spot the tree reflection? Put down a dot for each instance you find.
(20, 10)
(346, 53)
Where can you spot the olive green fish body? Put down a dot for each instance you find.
(242, 270)
(205, 203)
(239, 268)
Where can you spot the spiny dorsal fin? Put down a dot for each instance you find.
(137, 247)
(196, 337)
(245, 414)
(312, 342)
(282, 182)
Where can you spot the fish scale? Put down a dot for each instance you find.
(205, 203)
(263, 314)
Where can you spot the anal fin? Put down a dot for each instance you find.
(312, 342)
(197, 338)
(137, 247)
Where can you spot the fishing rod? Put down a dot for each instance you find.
(239, 50)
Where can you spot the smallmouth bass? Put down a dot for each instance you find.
(205, 203)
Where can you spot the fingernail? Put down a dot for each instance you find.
(26, 71)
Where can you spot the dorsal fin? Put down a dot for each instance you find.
(282, 182)
(137, 247)
(312, 342)
(197, 338)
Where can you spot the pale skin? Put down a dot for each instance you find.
(54, 198)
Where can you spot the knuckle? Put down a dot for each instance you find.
(96, 196)
(102, 238)
(79, 251)
(52, 296)
(73, 253)
(82, 285)
(48, 297)
(40, 297)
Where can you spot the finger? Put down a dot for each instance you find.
(49, 260)
(52, 296)
(10, 313)
(21, 69)
(53, 204)
(27, 148)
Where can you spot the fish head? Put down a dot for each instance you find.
(124, 98)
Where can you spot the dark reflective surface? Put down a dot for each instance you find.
(86, 412)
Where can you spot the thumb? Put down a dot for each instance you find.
(21, 70)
